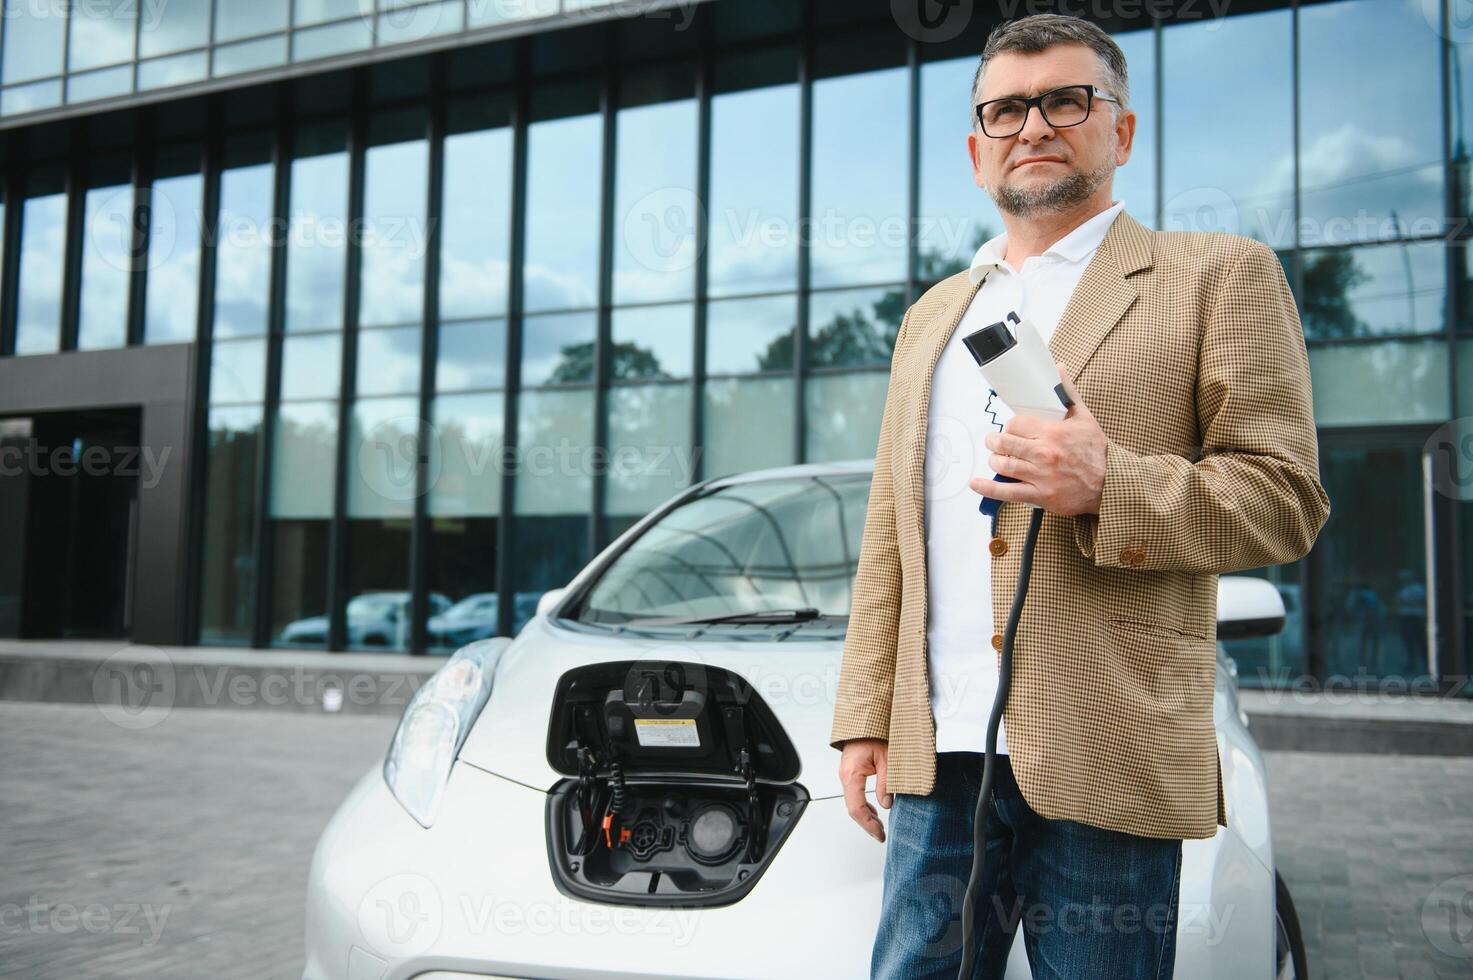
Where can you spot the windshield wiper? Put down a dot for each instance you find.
(761, 616)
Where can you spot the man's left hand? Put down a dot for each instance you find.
(1060, 466)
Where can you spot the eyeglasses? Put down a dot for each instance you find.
(1062, 107)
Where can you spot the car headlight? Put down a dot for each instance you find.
(435, 725)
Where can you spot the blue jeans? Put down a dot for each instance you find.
(1093, 903)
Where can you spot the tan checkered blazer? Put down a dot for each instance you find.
(1188, 350)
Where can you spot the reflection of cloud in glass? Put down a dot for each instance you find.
(394, 233)
(42, 242)
(315, 261)
(388, 361)
(476, 223)
(467, 447)
(173, 26)
(107, 243)
(750, 192)
(243, 256)
(859, 183)
(173, 260)
(562, 204)
(654, 203)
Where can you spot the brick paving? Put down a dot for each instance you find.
(206, 822)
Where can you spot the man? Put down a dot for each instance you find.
(1190, 452)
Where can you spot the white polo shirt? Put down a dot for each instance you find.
(961, 661)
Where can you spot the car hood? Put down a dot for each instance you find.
(797, 678)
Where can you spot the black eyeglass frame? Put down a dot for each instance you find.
(1036, 102)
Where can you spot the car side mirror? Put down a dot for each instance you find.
(549, 599)
(1248, 606)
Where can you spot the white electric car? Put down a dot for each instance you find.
(640, 783)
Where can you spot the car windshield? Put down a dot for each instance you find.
(774, 552)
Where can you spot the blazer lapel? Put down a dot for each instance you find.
(1103, 294)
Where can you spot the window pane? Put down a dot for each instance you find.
(465, 458)
(561, 269)
(654, 197)
(843, 413)
(649, 446)
(753, 217)
(1135, 183)
(234, 19)
(299, 583)
(1236, 175)
(956, 216)
(331, 39)
(100, 84)
(652, 342)
(472, 355)
(404, 22)
(1367, 163)
(462, 567)
(29, 98)
(172, 71)
(1371, 601)
(394, 231)
(317, 239)
(317, 11)
(383, 453)
(42, 256)
(748, 424)
(475, 216)
(854, 327)
(231, 59)
(238, 371)
(554, 491)
(745, 335)
(1381, 289)
(310, 366)
(35, 35)
(378, 583)
(859, 230)
(107, 247)
(173, 26)
(228, 583)
(1380, 384)
(243, 256)
(172, 295)
(388, 361)
(557, 348)
(102, 33)
(303, 460)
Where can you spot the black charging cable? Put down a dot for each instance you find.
(989, 764)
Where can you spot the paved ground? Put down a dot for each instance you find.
(198, 831)
(203, 824)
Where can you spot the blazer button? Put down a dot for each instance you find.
(998, 546)
(997, 641)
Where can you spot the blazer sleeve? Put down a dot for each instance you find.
(1253, 497)
(867, 676)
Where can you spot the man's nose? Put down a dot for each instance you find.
(1035, 127)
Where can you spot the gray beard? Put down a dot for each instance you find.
(1062, 195)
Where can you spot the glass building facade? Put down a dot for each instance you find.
(460, 316)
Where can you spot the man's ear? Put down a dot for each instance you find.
(1124, 136)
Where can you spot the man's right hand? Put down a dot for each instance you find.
(862, 758)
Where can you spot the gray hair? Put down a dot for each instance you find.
(1033, 34)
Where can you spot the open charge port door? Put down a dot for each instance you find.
(681, 784)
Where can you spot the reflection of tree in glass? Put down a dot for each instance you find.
(627, 362)
(1328, 279)
(858, 337)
